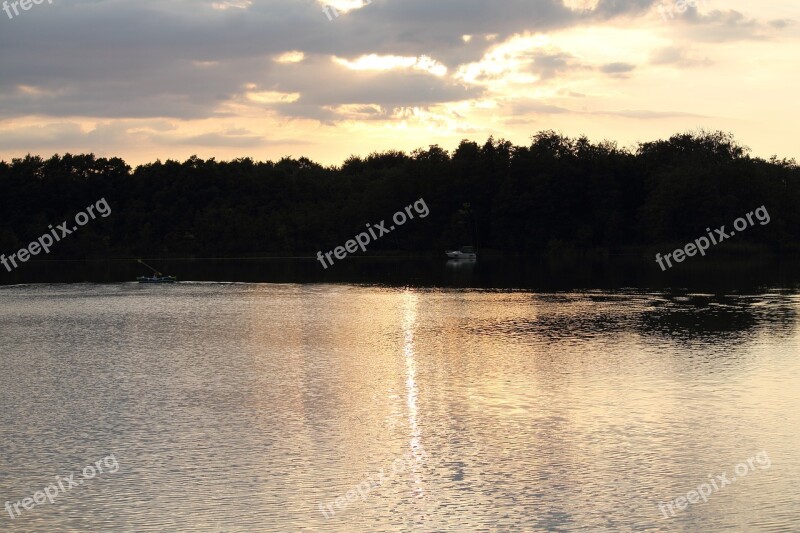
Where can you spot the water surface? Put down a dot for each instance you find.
(244, 407)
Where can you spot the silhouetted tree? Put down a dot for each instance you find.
(555, 192)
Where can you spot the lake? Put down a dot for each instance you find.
(371, 407)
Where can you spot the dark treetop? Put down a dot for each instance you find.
(556, 193)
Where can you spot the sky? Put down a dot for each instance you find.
(168, 79)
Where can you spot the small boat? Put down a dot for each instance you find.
(157, 276)
(465, 252)
(157, 279)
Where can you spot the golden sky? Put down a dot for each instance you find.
(167, 79)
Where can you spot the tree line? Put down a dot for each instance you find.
(555, 193)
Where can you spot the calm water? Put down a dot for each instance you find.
(244, 407)
(718, 274)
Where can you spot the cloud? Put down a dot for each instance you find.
(617, 68)
(648, 114)
(52, 136)
(75, 137)
(185, 59)
(729, 26)
(780, 24)
(678, 57)
(230, 138)
(97, 74)
(528, 107)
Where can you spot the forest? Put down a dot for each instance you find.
(557, 193)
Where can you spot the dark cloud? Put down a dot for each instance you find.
(611, 8)
(182, 59)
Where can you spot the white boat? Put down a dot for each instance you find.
(465, 252)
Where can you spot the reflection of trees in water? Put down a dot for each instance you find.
(678, 318)
(566, 317)
(718, 318)
(583, 326)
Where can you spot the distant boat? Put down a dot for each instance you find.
(157, 276)
(465, 252)
(157, 279)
